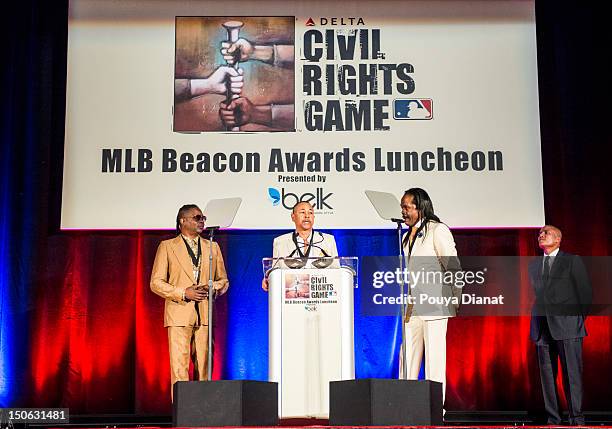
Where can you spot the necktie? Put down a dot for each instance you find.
(546, 270)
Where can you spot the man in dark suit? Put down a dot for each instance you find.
(563, 294)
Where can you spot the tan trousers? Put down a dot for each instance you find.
(187, 342)
(430, 336)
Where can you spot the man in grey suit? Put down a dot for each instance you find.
(563, 294)
(304, 242)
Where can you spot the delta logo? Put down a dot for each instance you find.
(413, 109)
(335, 21)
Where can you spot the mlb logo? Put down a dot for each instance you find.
(411, 109)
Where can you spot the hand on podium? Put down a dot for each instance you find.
(264, 284)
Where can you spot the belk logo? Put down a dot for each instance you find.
(289, 199)
(310, 22)
(274, 196)
(416, 108)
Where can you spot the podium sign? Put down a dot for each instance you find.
(310, 334)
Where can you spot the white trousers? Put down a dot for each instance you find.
(430, 336)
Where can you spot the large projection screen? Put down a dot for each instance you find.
(336, 98)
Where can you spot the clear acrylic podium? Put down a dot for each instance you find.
(310, 330)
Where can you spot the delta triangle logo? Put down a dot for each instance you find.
(310, 22)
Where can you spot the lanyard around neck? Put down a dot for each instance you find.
(194, 259)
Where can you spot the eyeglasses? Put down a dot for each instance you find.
(198, 218)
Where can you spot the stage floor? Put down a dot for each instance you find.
(453, 419)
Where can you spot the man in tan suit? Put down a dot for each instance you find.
(180, 276)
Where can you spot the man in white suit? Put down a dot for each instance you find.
(304, 242)
(429, 246)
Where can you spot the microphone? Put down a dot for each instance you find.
(325, 254)
(300, 262)
(290, 261)
(298, 245)
(326, 260)
(292, 253)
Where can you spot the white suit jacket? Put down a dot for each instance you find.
(285, 246)
(433, 252)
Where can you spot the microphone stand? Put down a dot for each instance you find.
(211, 301)
(403, 366)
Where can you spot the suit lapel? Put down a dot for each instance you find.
(180, 251)
(558, 263)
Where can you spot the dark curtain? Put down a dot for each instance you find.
(80, 328)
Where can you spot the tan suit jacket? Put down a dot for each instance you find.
(173, 273)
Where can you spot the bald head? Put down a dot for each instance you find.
(549, 238)
(301, 205)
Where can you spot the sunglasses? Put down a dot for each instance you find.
(198, 218)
